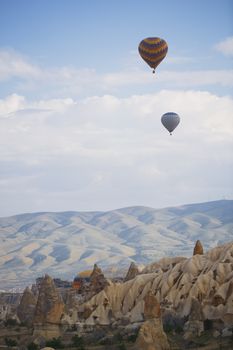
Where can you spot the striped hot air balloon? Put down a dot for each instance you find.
(153, 51)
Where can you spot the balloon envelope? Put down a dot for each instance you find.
(170, 121)
(153, 51)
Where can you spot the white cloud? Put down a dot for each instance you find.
(225, 46)
(106, 152)
(10, 104)
(17, 104)
(68, 81)
(13, 64)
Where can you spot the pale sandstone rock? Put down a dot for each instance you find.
(207, 278)
(163, 264)
(151, 336)
(49, 307)
(195, 325)
(193, 329)
(26, 308)
(122, 298)
(132, 272)
(136, 314)
(151, 307)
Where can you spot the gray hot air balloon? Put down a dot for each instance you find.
(170, 121)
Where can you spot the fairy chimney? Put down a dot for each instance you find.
(198, 249)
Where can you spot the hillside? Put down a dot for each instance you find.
(64, 243)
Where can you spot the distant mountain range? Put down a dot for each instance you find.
(65, 243)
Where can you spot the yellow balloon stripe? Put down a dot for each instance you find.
(152, 40)
(151, 59)
(153, 50)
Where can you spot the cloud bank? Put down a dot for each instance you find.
(58, 82)
(78, 139)
(104, 152)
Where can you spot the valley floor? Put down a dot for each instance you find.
(205, 342)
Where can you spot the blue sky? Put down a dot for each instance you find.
(100, 34)
(80, 111)
(103, 36)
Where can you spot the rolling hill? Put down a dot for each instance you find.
(64, 243)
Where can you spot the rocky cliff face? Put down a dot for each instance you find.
(26, 308)
(49, 307)
(195, 291)
(175, 282)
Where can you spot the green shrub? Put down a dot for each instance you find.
(11, 322)
(10, 342)
(55, 343)
(33, 346)
(78, 342)
(178, 329)
(73, 328)
(117, 338)
(106, 341)
(132, 338)
(168, 328)
(122, 346)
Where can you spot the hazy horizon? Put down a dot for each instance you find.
(119, 208)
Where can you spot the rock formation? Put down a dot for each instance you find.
(70, 300)
(49, 307)
(151, 335)
(97, 280)
(195, 325)
(198, 249)
(132, 272)
(71, 307)
(49, 310)
(26, 308)
(175, 282)
(151, 307)
(8, 306)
